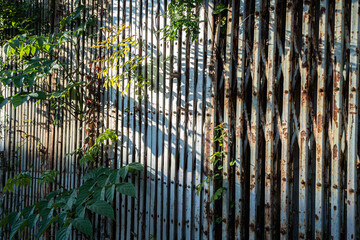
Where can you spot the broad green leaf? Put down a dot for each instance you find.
(103, 208)
(32, 219)
(19, 99)
(45, 226)
(64, 233)
(3, 101)
(43, 204)
(4, 221)
(52, 195)
(15, 228)
(46, 212)
(80, 211)
(110, 193)
(13, 217)
(114, 177)
(83, 195)
(10, 219)
(83, 225)
(123, 171)
(126, 189)
(62, 217)
(99, 193)
(89, 175)
(135, 166)
(38, 95)
(18, 81)
(218, 193)
(27, 211)
(103, 180)
(71, 199)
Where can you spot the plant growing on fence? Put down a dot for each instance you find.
(122, 62)
(15, 18)
(30, 60)
(69, 208)
(216, 160)
(182, 16)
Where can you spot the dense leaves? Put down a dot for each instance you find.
(118, 51)
(71, 208)
(183, 16)
(29, 61)
(16, 18)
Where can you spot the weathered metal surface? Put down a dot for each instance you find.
(352, 125)
(305, 66)
(284, 78)
(270, 123)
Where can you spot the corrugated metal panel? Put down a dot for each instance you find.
(283, 76)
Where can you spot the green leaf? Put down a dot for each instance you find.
(220, 8)
(99, 193)
(10, 219)
(18, 81)
(64, 233)
(45, 226)
(38, 95)
(110, 193)
(32, 219)
(83, 225)
(103, 208)
(27, 211)
(4, 221)
(103, 180)
(114, 177)
(52, 195)
(126, 189)
(80, 211)
(71, 199)
(46, 212)
(15, 228)
(13, 217)
(43, 204)
(83, 195)
(123, 171)
(49, 176)
(62, 217)
(3, 101)
(19, 99)
(135, 166)
(218, 193)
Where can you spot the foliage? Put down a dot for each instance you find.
(31, 60)
(93, 151)
(15, 18)
(216, 160)
(70, 209)
(119, 48)
(182, 15)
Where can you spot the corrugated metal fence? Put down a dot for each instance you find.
(283, 77)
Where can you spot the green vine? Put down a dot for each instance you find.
(216, 159)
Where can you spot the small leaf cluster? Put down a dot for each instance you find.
(118, 46)
(23, 179)
(183, 17)
(70, 209)
(91, 154)
(216, 159)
